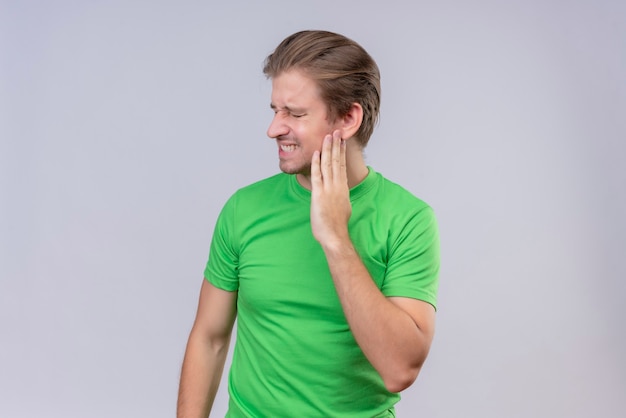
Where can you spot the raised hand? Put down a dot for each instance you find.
(330, 194)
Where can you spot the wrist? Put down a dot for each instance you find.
(339, 244)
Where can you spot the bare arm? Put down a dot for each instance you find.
(395, 334)
(206, 351)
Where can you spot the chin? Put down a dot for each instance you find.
(304, 169)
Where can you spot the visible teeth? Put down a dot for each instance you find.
(288, 148)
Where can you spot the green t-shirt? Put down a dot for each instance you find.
(294, 353)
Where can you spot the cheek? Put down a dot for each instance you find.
(315, 146)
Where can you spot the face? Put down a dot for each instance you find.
(300, 121)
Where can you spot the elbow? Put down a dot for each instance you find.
(400, 381)
(401, 374)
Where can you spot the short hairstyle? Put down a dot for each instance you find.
(344, 72)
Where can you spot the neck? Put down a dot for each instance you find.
(355, 164)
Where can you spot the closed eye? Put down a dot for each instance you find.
(294, 113)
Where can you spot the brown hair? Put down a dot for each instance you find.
(342, 69)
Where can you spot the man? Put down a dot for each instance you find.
(330, 268)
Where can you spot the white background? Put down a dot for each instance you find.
(125, 125)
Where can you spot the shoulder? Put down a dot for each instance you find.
(259, 196)
(395, 197)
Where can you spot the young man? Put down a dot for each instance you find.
(330, 268)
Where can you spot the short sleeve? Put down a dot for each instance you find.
(413, 266)
(222, 267)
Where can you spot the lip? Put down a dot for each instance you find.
(282, 153)
(286, 154)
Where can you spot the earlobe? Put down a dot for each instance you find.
(352, 121)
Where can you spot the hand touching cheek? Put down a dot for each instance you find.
(330, 194)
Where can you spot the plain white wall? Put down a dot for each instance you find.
(125, 125)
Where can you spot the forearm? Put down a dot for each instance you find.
(393, 333)
(390, 339)
(200, 377)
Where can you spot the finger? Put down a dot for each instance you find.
(326, 158)
(316, 175)
(339, 157)
(343, 167)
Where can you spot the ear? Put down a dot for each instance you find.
(351, 122)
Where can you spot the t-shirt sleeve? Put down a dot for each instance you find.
(413, 265)
(222, 268)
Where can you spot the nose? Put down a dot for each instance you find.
(277, 127)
